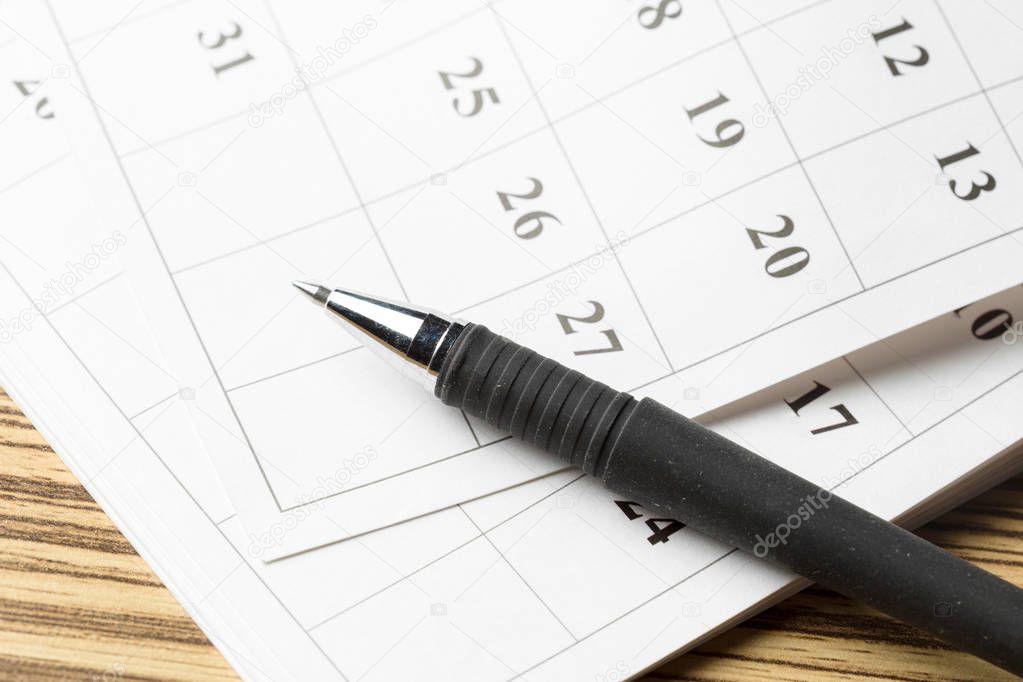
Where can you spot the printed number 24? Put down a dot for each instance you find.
(662, 528)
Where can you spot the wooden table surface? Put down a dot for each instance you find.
(79, 604)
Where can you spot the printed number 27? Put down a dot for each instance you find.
(596, 316)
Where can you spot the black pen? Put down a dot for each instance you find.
(668, 463)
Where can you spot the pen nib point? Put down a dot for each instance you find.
(316, 292)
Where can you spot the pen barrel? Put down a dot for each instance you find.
(685, 471)
(533, 397)
(658, 458)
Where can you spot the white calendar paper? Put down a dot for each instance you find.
(438, 597)
(697, 203)
(508, 603)
(552, 580)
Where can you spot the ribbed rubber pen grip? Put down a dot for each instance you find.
(649, 454)
(533, 397)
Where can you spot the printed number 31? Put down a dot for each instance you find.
(218, 43)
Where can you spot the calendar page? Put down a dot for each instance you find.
(469, 592)
(694, 201)
(492, 589)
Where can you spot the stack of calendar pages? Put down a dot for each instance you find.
(798, 222)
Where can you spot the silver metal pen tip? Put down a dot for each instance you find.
(413, 338)
(317, 292)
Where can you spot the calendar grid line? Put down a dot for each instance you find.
(980, 83)
(155, 11)
(629, 612)
(679, 370)
(329, 637)
(159, 402)
(348, 103)
(894, 221)
(227, 518)
(24, 39)
(101, 110)
(913, 437)
(18, 105)
(33, 173)
(174, 137)
(403, 472)
(318, 84)
(145, 441)
(514, 570)
(306, 365)
(79, 297)
(107, 32)
(569, 114)
(887, 345)
(996, 225)
(123, 340)
(368, 217)
(1009, 234)
(810, 156)
(443, 556)
(504, 235)
(851, 476)
(263, 242)
(792, 146)
(136, 202)
(550, 123)
(425, 181)
(471, 430)
(888, 129)
(337, 150)
(773, 324)
(372, 223)
(409, 43)
(339, 653)
(773, 32)
(281, 257)
(632, 558)
(581, 186)
(876, 394)
(928, 429)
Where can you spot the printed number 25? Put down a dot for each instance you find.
(477, 94)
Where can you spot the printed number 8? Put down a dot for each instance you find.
(665, 9)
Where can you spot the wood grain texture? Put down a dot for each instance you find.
(77, 603)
